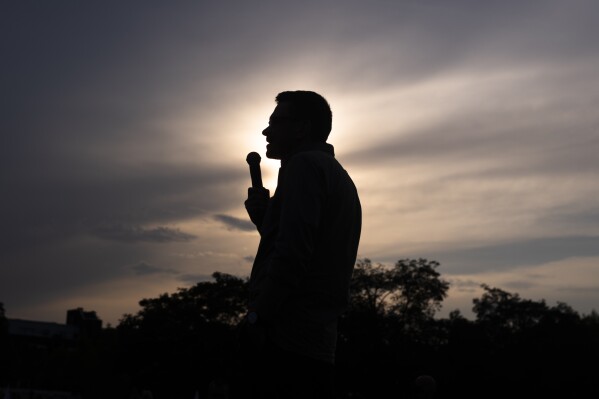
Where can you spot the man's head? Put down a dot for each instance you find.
(299, 117)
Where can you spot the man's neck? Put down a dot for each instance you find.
(309, 146)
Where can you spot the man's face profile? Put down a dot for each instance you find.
(283, 133)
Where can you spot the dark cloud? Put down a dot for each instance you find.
(143, 268)
(58, 268)
(46, 209)
(233, 223)
(137, 234)
(516, 255)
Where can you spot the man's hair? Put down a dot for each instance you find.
(310, 106)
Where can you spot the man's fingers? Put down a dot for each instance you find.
(258, 192)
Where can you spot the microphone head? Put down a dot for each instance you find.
(253, 158)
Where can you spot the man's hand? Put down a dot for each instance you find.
(256, 204)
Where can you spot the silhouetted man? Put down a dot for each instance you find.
(309, 235)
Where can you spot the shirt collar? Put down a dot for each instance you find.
(311, 146)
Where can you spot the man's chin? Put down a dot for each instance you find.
(272, 154)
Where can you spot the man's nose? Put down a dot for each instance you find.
(265, 131)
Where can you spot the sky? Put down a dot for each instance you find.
(469, 128)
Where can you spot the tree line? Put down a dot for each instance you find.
(187, 341)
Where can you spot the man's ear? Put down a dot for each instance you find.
(304, 129)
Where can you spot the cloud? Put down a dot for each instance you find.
(206, 254)
(517, 255)
(136, 234)
(464, 285)
(233, 223)
(144, 268)
(56, 205)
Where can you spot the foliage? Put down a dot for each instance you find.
(411, 290)
(371, 285)
(503, 311)
(421, 289)
(191, 333)
(221, 301)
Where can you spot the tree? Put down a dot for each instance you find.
(389, 330)
(421, 289)
(411, 290)
(183, 338)
(221, 301)
(503, 311)
(371, 285)
(407, 295)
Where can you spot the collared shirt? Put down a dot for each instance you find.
(309, 241)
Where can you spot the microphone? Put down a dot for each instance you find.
(253, 159)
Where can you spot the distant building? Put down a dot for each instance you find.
(79, 324)
(41, 329)
(88, 323)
